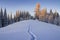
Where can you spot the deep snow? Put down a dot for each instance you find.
(19, 31)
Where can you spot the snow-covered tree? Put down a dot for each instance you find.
(10, 19)
(59, 20)
(50, 19)
(46, 18)
(55, 21)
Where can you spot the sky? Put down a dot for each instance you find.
(29, 5)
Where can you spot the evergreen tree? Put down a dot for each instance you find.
(51, 13)
(54, 15)
(50, 19)
(55, 21)
(27, 15)
(14, 18)
(5, 18)
(11, 20)
(1, 18)
(0, 21)
(21, 16)
(57, 14)
(46, 18)
(56, 18)
(8, 20)
(59, 20)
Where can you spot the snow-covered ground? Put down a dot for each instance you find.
(28, 29)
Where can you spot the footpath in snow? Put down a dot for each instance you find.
(30, 30)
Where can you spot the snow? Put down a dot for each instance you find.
(19, 31)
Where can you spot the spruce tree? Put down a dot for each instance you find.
(1, 18)
(5, 18)
(14, 18)
(8, 20)
(11, 20)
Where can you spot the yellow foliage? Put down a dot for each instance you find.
(43, 12)
(37, 6)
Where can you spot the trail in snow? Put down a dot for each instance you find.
(30, 30)
(33, 36)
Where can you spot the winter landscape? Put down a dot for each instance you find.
(30, 30)
(32, 20)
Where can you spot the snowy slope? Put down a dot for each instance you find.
(19, 31)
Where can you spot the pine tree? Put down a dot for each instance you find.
(0, 21)
(21, 16)
(5, 18)
(8, 19)
(18, 15)
(59, 20)
(51, 13)
(46, 18)
(56, 14)
(50, 19)
(55, 21)
(14, 18)
(11, 20)
(1, 18)
(29, 16)
(56, 18)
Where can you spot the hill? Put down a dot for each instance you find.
(28, 29)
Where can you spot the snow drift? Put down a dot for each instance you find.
(19, 31)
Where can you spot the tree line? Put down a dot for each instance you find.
(52, 18)
(6, 19)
